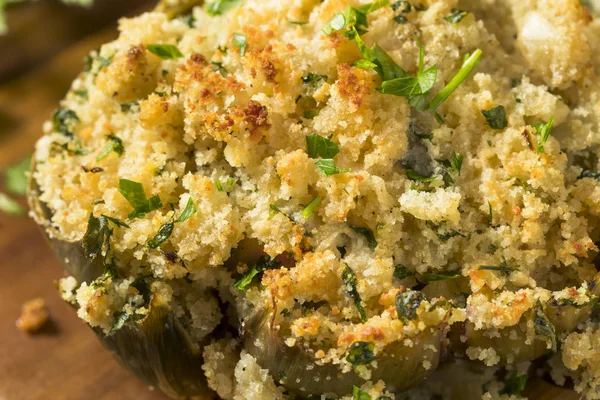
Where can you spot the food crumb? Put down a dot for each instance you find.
(34, 315)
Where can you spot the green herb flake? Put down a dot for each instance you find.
(114, 144)
(496, 117)
(164, 232)
(310, 208)
(351, 282)
(116, 221)
(135, 195)
(125, 107)
(368, 234)
(401, 272)
(360, 353)
(353, 19)
(9, 206)
(121, 318)
(165, 51)
(188, 211)
(240, 41)
(320, 146)
(263, 264)
(220, 7)
(297, 22)
(218, 185)
(544, 328)
(543, 130)
(81, 93)
(15, 177)
(273, 210)
(310, 114)
(456, 16)
(359, 394)
(96, 234)
(514, 385)
(442, 276)
(407, 304)
(503, 268)
(456, 161)
(189, 19)
(329, 168)
(64, 120)
(468, 66)
(491, 211)
(413, 176)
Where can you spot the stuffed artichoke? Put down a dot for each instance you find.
(334, 199)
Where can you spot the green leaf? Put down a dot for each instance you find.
(218, 185)
(135, 195)
(442, 276)
(514, 385)
(329, 168)
(114, 144)
(491, 219)
(64, 120)
(240, 41)
(297, 22)
(353, 18)
(310, 208)
(368, 234)
(401, 272)
(350, 282)
(15, 177)
(10, 206)
(320, 146)
(456, 16)
(96, 234)
(359, 394)
(220, 7)
(456, 161)
(263, 264)
(188, 211)
(165, 51)
(407, 304)
(360, 353)
(116, 221)
(413, 176)
(273, 210)
(465, 70)
(81, 93)
(544, 131)
(128, 106)
(544, 328)
(496, 117)
(164, 232)
(313, 79)
(503, 268)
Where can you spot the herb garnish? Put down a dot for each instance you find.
(165, 51)
(456, 16)
(114, 144)
(165, 231)
(129, 105)
(407, 304)
(320, 146)
(350, 282)
(441, 276)
(263, 264)
(329, 168)
(359, 394)
(360, 353)
(15, 178)
(64, 120)
(544, 131)
(312, 78)
(135, 195)
(81, 93)
(220, 7)
(544, 327)
(401, 272)
(514, 385)
(353, 18)
(413, 176)
(240, 41)
(122, 317)
(310, 208)
(503, 268)
(368, 234)
(491, 217)
(495, 117)
(98, 233)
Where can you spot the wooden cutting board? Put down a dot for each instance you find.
(65, 360)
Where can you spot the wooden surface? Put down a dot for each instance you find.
(65, 360)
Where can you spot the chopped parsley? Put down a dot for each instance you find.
(220, 7)
(401, 272)
(368, 234)
(129, 105)
(351, 282)
(98, 233)
(491, 211)
(401, 8)
(114, 144)
(10, 206)
(218, 185)
(359, 394)
(273, 210)
(122, 317)
(165, 231)
(101, 62)
(263, 264)
(442, 276)
(64, 120)
(590, 174)
(353, 19)
(189, 19)
(15, 177)
(165, 51)
(360, 353)
(413, 176)
(240, 41)
(329, 168)
(514, 384)
(407, 304)
(312, 78)
(81, 93)
(503, 268)
(297, 22)
(310, 208)
(544, 328)
(135, 195)
(543, 130)
(320, 146)
(495, 117)
(456, 16)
